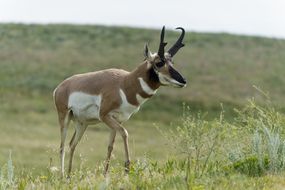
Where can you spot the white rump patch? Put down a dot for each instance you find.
(53, 95)
(85, 107)
(146, 88)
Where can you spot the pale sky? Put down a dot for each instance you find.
(251, 17)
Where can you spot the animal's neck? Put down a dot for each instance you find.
(146, 72)
(141, 81)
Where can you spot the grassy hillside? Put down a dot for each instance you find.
(220, 68)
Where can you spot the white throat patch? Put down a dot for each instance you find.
(124, 112)
(146, 88)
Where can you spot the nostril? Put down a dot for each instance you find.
(184, 81)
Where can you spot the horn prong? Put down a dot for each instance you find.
(178, 44)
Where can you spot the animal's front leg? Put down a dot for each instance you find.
(125, 135)
(110, 149)
(115, 125)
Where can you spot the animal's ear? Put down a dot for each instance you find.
(147, 53)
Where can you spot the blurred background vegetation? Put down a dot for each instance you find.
(34, 59)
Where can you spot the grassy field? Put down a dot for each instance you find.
(220, 68)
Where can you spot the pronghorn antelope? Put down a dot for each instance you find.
(111, 96)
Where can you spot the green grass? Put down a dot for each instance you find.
(198, 154)
(220, 68)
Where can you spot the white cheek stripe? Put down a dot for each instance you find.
(169, 81)
(146, 88)
(162, 79)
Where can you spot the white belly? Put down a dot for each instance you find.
(125, 111)
(85, 107)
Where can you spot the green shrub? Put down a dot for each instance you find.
(266, 152)
(249, 166)
(198, 141)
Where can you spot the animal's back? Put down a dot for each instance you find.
(82, 93)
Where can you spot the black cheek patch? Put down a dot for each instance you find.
(176, 76)
(153, 76)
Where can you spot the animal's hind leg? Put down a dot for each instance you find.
(79, 131)
(63, 131)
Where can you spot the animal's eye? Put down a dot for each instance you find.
(160, 64)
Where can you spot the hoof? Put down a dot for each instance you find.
(127, 166)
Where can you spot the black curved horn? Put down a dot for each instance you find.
(178, 44)
(162, 44)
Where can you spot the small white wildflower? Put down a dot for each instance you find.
(53, 169)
